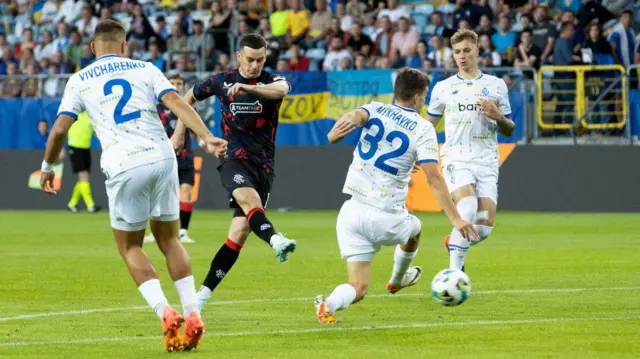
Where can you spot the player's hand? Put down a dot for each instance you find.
(239, 89)
(416, 168)
(343, 128)
(465, 228)
(488, 108)
(46, 182)
(216, 146)
(177, 143)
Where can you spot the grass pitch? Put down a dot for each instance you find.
(545, 285)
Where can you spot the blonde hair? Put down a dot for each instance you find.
(462, 35)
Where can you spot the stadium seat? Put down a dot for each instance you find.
(421, 21)
(425, 9)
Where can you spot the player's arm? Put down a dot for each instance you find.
(436, 105)
(191, 119)
(435, 120)
(439, 189)
(347, 124)
(273, 91)
(500, 111)
(57, 138)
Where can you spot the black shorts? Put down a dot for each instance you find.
(240, 174)
(187, 175)
(80, 159)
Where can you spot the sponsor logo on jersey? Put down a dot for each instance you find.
(227, 85)
(462, 107)
(239, 107)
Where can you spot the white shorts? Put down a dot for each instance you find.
(144, 192)
(364, 229)
(484, 178)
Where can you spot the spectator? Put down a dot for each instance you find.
(163, 30)
(225, 61)
(62, 64)
(465, 10)
(12, 87)
(357, 39)
(105, 13)
(597, 45)
(572, 6)
(393, 12)
(464, 25)
(48, 12)
(544, 33)
(3, 43)
(27, 59)
(243, 29)
(421, 54)
(578, 37)
(485, 27)
(361, 62)
(27, 43)
(30, 86)
(155, 57)
(335, 30)
(279, 19)
(523, 24)
(201, 13)
(383, 63)
(7, 59)
(87, 56)
(504, 40)
(487, 52)
(335, 55)
(345, 64)
(297, 23)
(355, 8)
(46, 49)
(436, 25)
(383, 41)
(563, 55)
(43, 65)
(320, 23)
(282, 66)
(200, 45)
(70, 11)
(183, 19)
(527, 53)
(367, 52)
(142, 24)
(273, 45)
(403, 42)
(592, 10)
(623, 40)
(177, 42)
(41, 137)
(441, 54)
(219, 25)
(297, 61)
(346, 20)
(369, 29)
(63, 39)
(87, 23)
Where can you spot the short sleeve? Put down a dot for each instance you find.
(614, 38)
(159, 82)
(370, 108)
(71, 104)
(436, 104)
(209, 87)
(427, 146)
(503, 99)
(272, 78)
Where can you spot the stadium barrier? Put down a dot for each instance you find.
(587, 97)
(311, 177)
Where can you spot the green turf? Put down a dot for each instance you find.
(58, 262)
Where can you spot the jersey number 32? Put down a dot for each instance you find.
(118, 116)
(374, 141)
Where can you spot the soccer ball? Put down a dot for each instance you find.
(451, 287)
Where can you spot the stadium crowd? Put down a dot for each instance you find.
(52, 37)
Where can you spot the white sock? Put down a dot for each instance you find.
(401, 262)
(483, 233)
(186, 288)
(183, 232)
(458, 245)
(204, 293)
(152, 293)
(341, 297)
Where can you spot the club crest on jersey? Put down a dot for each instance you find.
(455, 92)
(227, 85)
(239, 107)
(485, 92)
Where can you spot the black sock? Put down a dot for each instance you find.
(222, 263)
(260, 225)
(185, 214)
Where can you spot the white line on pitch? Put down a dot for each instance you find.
(274, 300)
(336, 329)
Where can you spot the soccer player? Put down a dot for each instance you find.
(476, 106)
(120, 97)
(186, 169)
(79, 140)
(394, 139)
(251, 100)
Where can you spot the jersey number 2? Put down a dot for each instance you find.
(118, 116)
(375, 140)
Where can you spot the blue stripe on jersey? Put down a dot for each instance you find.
(164, 92)
(433, 114)
(507, 115)
(405, 108)
(70, 114)
(367, 111)
(427, 161)
(106, 56)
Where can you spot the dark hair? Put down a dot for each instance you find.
(197, 22)
(565, 25)
(627, 12)
(176, 76)
(410, 82)
(528, 31)
(109, 30)
(252, 41)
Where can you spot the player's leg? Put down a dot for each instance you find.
(187, 180)
(164, 225)
(403, 275)
(225, 258)
(487, 191)
(76, 167)
(83, 180)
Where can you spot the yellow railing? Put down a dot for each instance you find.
(581, 99)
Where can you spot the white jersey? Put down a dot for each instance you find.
(392, 141)
(470, 136)
(120, 97)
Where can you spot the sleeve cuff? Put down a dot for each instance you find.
(163, 92)
(68, 113)
(365, 110)
(427, 161)
(507, 114)
(433, 114)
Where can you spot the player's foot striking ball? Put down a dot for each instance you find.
(251, 100)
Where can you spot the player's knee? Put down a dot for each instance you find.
(239, 235)
(483, 233)
(247, 199)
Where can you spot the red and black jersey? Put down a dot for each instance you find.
(249, 122)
